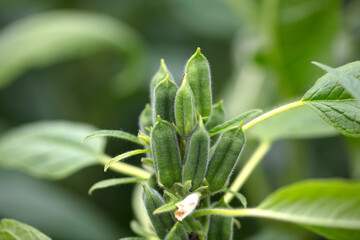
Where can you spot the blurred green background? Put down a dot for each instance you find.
(92, 61)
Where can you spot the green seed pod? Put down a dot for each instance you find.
(220, 227)
(217, 115)
(158, 77)
(185, 108)
(166, 154)
(164, 99)
(224, 158)
(162, 223)
(197, 157)
(145, 119)
(177, 233)
(191, 224)
(198, 74)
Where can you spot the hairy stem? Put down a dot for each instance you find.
(250, 165)
(272, 113)
(124, 168)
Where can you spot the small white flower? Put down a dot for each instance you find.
(187, 206)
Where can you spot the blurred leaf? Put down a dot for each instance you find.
(334, 104)
(48, 38)
(19, 231)
(49, 149)
(300, 122)
(57, 212)
(298, 32)
(114, 182)
(353, 147)
(272, 233)
(330, 208)
(217, 21)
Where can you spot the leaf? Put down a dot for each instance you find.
(245, 117)
(48, 205)
(239, 196)
(49, 149)
(114, 182)
(62, 35)
(297, 123)
(167, 207)
(140, 230)
(123, 156)
(14, 230)
(330, 208)
(350, 83)
(334, 104)
(113, 133)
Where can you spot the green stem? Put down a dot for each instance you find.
(250, 165)
(124, 168)
(272, 113)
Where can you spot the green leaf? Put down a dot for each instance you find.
(297, 123)
(330, 208)
(123, 156)
(48, 205)
(334, 104)
(49, 149)
(114, 182)
(137, 228)
(245, 117)
(62, 35)
(239, 196)
(167, 207)
(113, 133)
(350, 83)
(14, 230)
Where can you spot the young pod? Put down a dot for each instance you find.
(164, 99)
(145, 119)
(166, 154)
(162, 223)
(197, 157)
(224, 158)
(217, 115)
(185, 108)
(198, 73)
(220, 227)
(158, 77)
(177, 233)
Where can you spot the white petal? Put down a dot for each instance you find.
(187, 206)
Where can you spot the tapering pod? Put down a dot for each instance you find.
(166, 153)
(224, 158)
(197, 157)
(158, 77)
(162, 223)
(198, 74)
(220, 227)
(145, 119)
(164, 99)
(177, 233)
(217, 115)
(185, 108)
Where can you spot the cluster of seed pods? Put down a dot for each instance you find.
(191, 159)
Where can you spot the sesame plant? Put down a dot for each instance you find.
(190, 154)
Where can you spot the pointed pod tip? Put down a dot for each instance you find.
(198, 50)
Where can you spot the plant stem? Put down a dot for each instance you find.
(272, 113)
(250, 165)
(124, 168)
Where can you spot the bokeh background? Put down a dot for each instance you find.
(92, 61)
